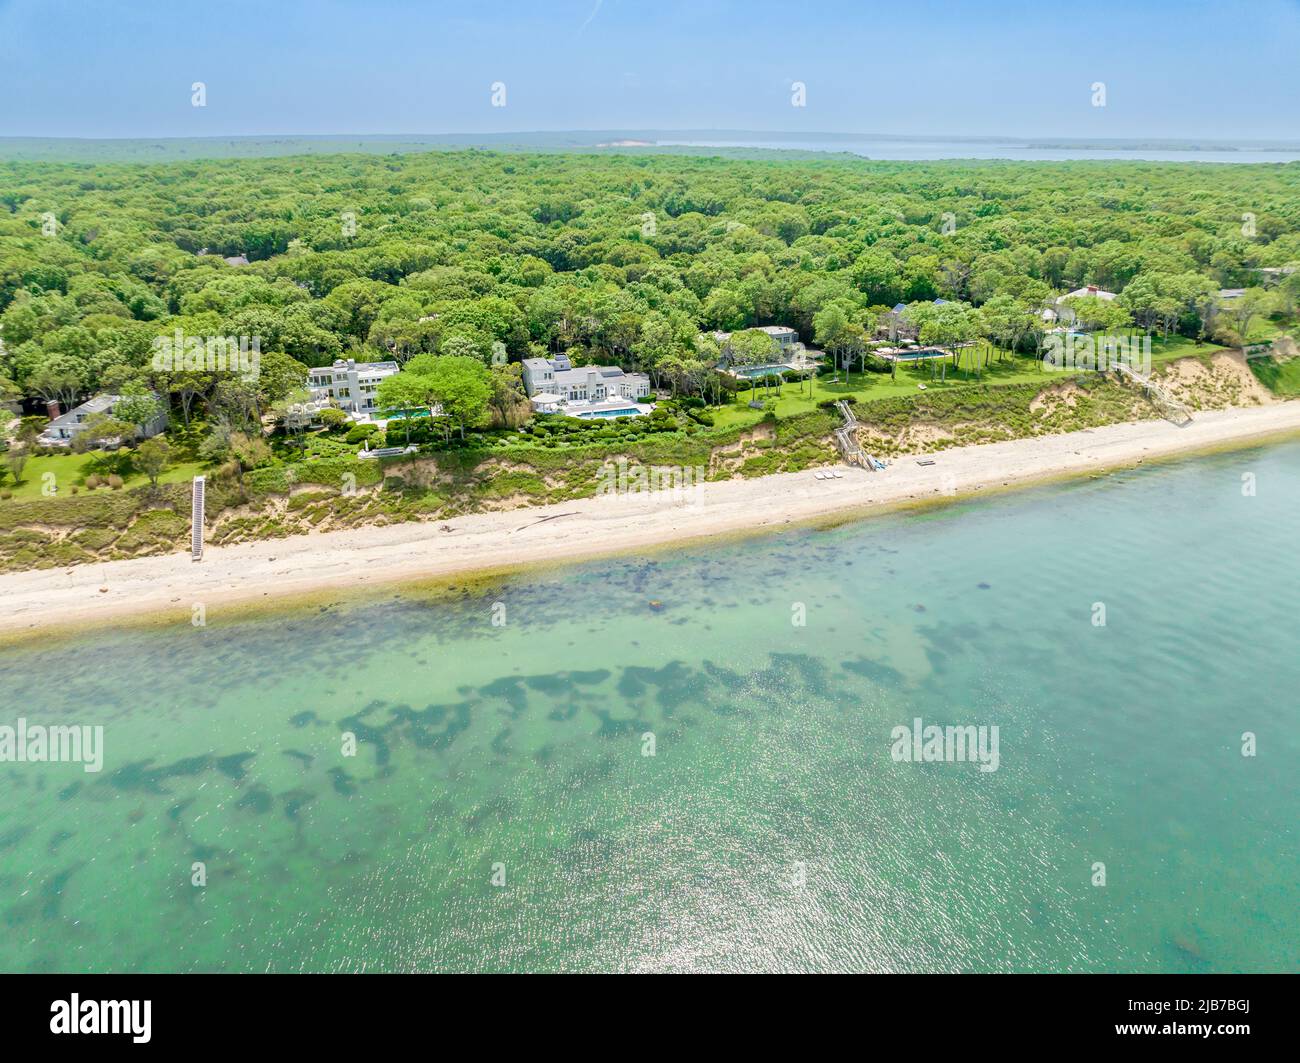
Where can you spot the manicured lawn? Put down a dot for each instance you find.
(1263, 329)
(1179, 347)
(72, 469)
(866, 387)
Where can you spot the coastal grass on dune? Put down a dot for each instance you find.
(330, 491)
(368, 560)
(1282, 378)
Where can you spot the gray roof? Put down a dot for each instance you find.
(98, 404)
(343, 365)
(771, 330)
(576, 375)
(581, 374)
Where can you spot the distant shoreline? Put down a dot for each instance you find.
(279, 572)
(166, 149)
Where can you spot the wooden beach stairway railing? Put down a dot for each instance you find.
(1170, 408)
(196, 518)
(846, 439)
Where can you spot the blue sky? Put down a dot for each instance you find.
(120, 68)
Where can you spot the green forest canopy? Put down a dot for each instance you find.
(619, 258)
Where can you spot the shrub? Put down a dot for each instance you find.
(829, 404)
(115, 481)
(333, 420)
(324, 447)
(423, 430)
(361, 432)
(92, 481)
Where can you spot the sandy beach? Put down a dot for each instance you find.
(274, 570)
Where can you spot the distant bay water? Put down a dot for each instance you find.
(501, 812)
(873, 146)
(901, 150)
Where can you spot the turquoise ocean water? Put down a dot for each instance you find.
(499, 813)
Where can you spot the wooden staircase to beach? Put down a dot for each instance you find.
(1170, 408)
(196, 518)
(846, 439)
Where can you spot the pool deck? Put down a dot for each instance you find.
(607, 408)
(915, 354)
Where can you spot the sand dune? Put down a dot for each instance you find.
(275, 570)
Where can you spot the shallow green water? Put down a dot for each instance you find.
(521, 745)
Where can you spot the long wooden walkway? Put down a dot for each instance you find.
(1170, 408)
(846, 438)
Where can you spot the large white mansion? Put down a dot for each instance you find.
(555, 385)
(349, 383)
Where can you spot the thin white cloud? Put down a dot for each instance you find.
(594, 12)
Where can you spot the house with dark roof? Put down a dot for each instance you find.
(893, 324)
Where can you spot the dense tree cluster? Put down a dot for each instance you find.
(625, 259)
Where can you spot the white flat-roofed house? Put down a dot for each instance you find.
(62, 430)
(351, 384)
(555, 385)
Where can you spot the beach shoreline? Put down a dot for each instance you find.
(278, 572)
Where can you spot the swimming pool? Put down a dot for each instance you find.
(918, 355)
(401, 415)
(751, 372)
(622, 411)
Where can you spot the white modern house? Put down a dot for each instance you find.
(555, 385)
(62, 430)
(351, 384)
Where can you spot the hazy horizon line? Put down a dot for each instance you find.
(1257, 143)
